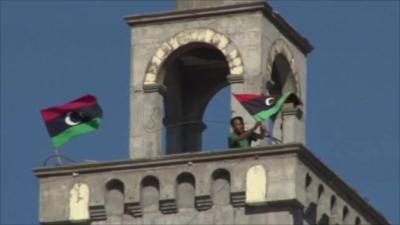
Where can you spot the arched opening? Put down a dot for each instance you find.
(324, 220)
(320, 191)
(114, 197)
(256, 185)
(357, 221)
(221, 188)
(150, 194)
(345, 213)
(310, 213)
(216, 117)
(333, 205)
(185, 190)
(191, 75)
(282, 80)
(308, 181)
(79, 202)
(281, 76)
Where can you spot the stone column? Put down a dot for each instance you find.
(173, 138)
(291, 125)
(192, 136)
(146, 129)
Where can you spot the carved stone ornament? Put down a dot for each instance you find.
(208, 36)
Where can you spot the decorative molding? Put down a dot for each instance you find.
(234, 79)
(203, 203)
(134, 209)
(168, 206)
(298, 112)
(238, 199)
(177, 15)
(97, 213)
(152, 80)
(149, 88)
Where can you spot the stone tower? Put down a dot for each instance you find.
(180, 60)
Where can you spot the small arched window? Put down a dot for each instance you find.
(357, 221)
(308, 181)
(345, 213)
(333, 204)
(321, 190)
(150, 194)
(114, 197)
(220, 188)
(185, 190)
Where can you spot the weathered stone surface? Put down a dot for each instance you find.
(295, 180)
(247, 41)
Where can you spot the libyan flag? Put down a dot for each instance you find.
(65, 122)
(262, 107)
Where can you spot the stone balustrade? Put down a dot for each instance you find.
(280, 184)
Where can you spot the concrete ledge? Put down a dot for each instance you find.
(167, 160)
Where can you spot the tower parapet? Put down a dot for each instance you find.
(281, 184)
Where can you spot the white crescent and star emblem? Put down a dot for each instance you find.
(73, 118)
(270, 101)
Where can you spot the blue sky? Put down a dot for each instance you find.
(55, 51)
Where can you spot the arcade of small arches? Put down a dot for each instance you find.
(326, 209)
(322, 208)
(115, 195)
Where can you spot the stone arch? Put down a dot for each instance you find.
(79, 202)
(307, 181)
(310, 213)
(114, 197)
(256, 185)
(183, 75)
(281, 74)
(185, 190)
(149, 194)
(345, 214)
(220, 187)
(324, 220)
(333, 205)
(115, 184)
(357, 221)
(321, 191)
(200, 35)
(281, 49)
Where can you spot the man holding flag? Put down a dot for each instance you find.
(261, 107)
(241, 138)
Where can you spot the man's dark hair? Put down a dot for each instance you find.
(236, 118)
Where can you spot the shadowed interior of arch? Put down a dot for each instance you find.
(282, 81)
(192, 75)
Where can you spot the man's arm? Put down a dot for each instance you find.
(247, 133)
(262, 133)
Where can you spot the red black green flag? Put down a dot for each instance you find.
(262, 107)
(65, 122)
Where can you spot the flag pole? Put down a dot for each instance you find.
(58, 156)
(276, 140)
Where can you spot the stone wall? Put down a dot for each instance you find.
(272, 185)
(249, 40)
